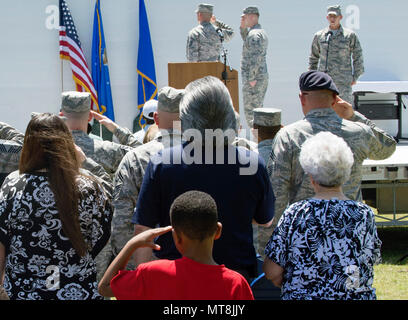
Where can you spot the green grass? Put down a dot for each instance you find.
(391, 276)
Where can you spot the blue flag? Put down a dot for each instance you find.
(100, 70)
(147, 87)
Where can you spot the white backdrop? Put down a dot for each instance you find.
(30, 68)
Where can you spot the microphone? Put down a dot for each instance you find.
(328, 36)
(220, 33)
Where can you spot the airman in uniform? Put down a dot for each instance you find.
(8, 132)
(76, 108)
(324, 111)
(267, 122)
(204, 42)
(254, 69)
(11, 144)
(337, 51)
(129, 176)
(10, 152)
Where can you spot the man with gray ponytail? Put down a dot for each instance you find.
(207, 161)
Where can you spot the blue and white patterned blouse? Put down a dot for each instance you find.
(327, 249)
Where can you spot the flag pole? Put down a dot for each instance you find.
(62, 75)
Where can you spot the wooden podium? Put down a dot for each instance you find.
(181, 74)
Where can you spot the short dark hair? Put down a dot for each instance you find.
(194, 213)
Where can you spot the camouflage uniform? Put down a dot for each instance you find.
(129, 176)
(289, 182)
(264, 149)
(253, 67)
(203, 42)
(106, 153)
(127, 183)
(11, 143)
(268, 118)
(89, 166)
(7, 132)
(126, 137)
(10, 152)
(345, 59)
(262, 234)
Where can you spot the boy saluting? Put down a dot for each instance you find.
(195, 276)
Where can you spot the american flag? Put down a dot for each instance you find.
(70, 49)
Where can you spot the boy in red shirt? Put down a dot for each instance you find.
(196, 276)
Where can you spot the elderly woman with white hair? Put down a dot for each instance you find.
(324, 247)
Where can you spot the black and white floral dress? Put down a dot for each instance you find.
(327, 249)
(40, 261)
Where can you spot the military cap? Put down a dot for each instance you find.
(316, 80)
(205, 8)
(251, 10)
(33, 114)
(267, 117)
(149, 108)
(334, 10)
(169, 99)
(74, 101)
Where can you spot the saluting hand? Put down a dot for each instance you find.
(145, 239)
(343, 109)
(243, 22)
(105, 121)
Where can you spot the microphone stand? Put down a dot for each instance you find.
(224, 74)
(328, 47)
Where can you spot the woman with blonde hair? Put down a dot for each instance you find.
(53, 219)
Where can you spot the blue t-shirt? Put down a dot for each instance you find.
(240, 198)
